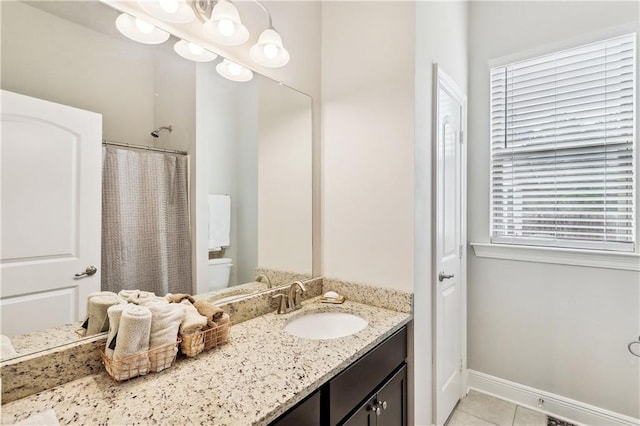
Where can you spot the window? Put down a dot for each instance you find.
(562, 148)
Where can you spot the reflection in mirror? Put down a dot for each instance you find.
(247, 144)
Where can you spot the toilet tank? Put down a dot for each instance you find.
(219, 272)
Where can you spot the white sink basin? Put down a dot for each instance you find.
(325, 325)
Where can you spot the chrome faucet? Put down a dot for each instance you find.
(296, 289)
(261, 278)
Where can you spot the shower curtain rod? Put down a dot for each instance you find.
(146, 148)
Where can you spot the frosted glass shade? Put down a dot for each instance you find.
(141, 32)
(193, 52)
(269, 50)
(234, 72)
(225, 26)
(176, 11)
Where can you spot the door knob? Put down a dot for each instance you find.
(442, 276)
(87, 272)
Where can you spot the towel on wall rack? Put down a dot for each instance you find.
(219, 221)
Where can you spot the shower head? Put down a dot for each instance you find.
(157, 131)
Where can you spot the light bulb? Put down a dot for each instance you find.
(226, 27)
(194, 48)
(169, 6)
(143, 26)
(270, 50)
(235, 69)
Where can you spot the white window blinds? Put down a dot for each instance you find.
(562, 148)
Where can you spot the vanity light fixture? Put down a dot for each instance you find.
(269, 51)
(224, 26)
(140, 30)
(221, 22)
(176, 11)
(234, 72)
(193, 52)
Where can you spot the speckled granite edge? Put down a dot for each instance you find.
(31, 374)
(396, 300)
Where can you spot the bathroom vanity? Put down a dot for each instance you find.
(262, 376)
(371, 391)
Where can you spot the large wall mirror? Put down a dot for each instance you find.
(244, 148)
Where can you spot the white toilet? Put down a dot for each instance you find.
(219, 271)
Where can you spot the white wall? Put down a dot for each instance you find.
(50, 58)
(174, 83)
(367, 141)
(441, 37)
(562, 329)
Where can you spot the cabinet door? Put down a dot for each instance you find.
(392, 398)
(365, 416)
(388, 407)
(354, 385)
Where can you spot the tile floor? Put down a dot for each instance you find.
(479, 409)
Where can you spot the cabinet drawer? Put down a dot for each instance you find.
(349, 388)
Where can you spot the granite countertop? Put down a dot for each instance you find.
(257, 376)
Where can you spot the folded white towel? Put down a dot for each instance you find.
(132, 342)
(165, 323)
(192, 321)
(134, 296)
(6, 348)
(115, 313)
(219, 221)
(45, 418)
(98, 320)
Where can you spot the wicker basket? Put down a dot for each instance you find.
(151, 361)
(193, 344)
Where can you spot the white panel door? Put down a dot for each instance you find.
(448, 212)
(50, 190)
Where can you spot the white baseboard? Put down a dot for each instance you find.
(554, 405)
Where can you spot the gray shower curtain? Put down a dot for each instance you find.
(146, 241)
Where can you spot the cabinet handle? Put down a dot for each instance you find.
(383, 404)
(375, 408)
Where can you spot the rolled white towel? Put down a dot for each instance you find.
(89, 296)
(98, 320)
(132, 342)
(115, 313)
(134, 296)
(6, 348)
(155, 300)
(165, 324)
(45, 418)
(192, 321)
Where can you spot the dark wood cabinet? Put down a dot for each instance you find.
(370, 392)
(306, 412)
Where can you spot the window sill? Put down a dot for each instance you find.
(562, 256)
